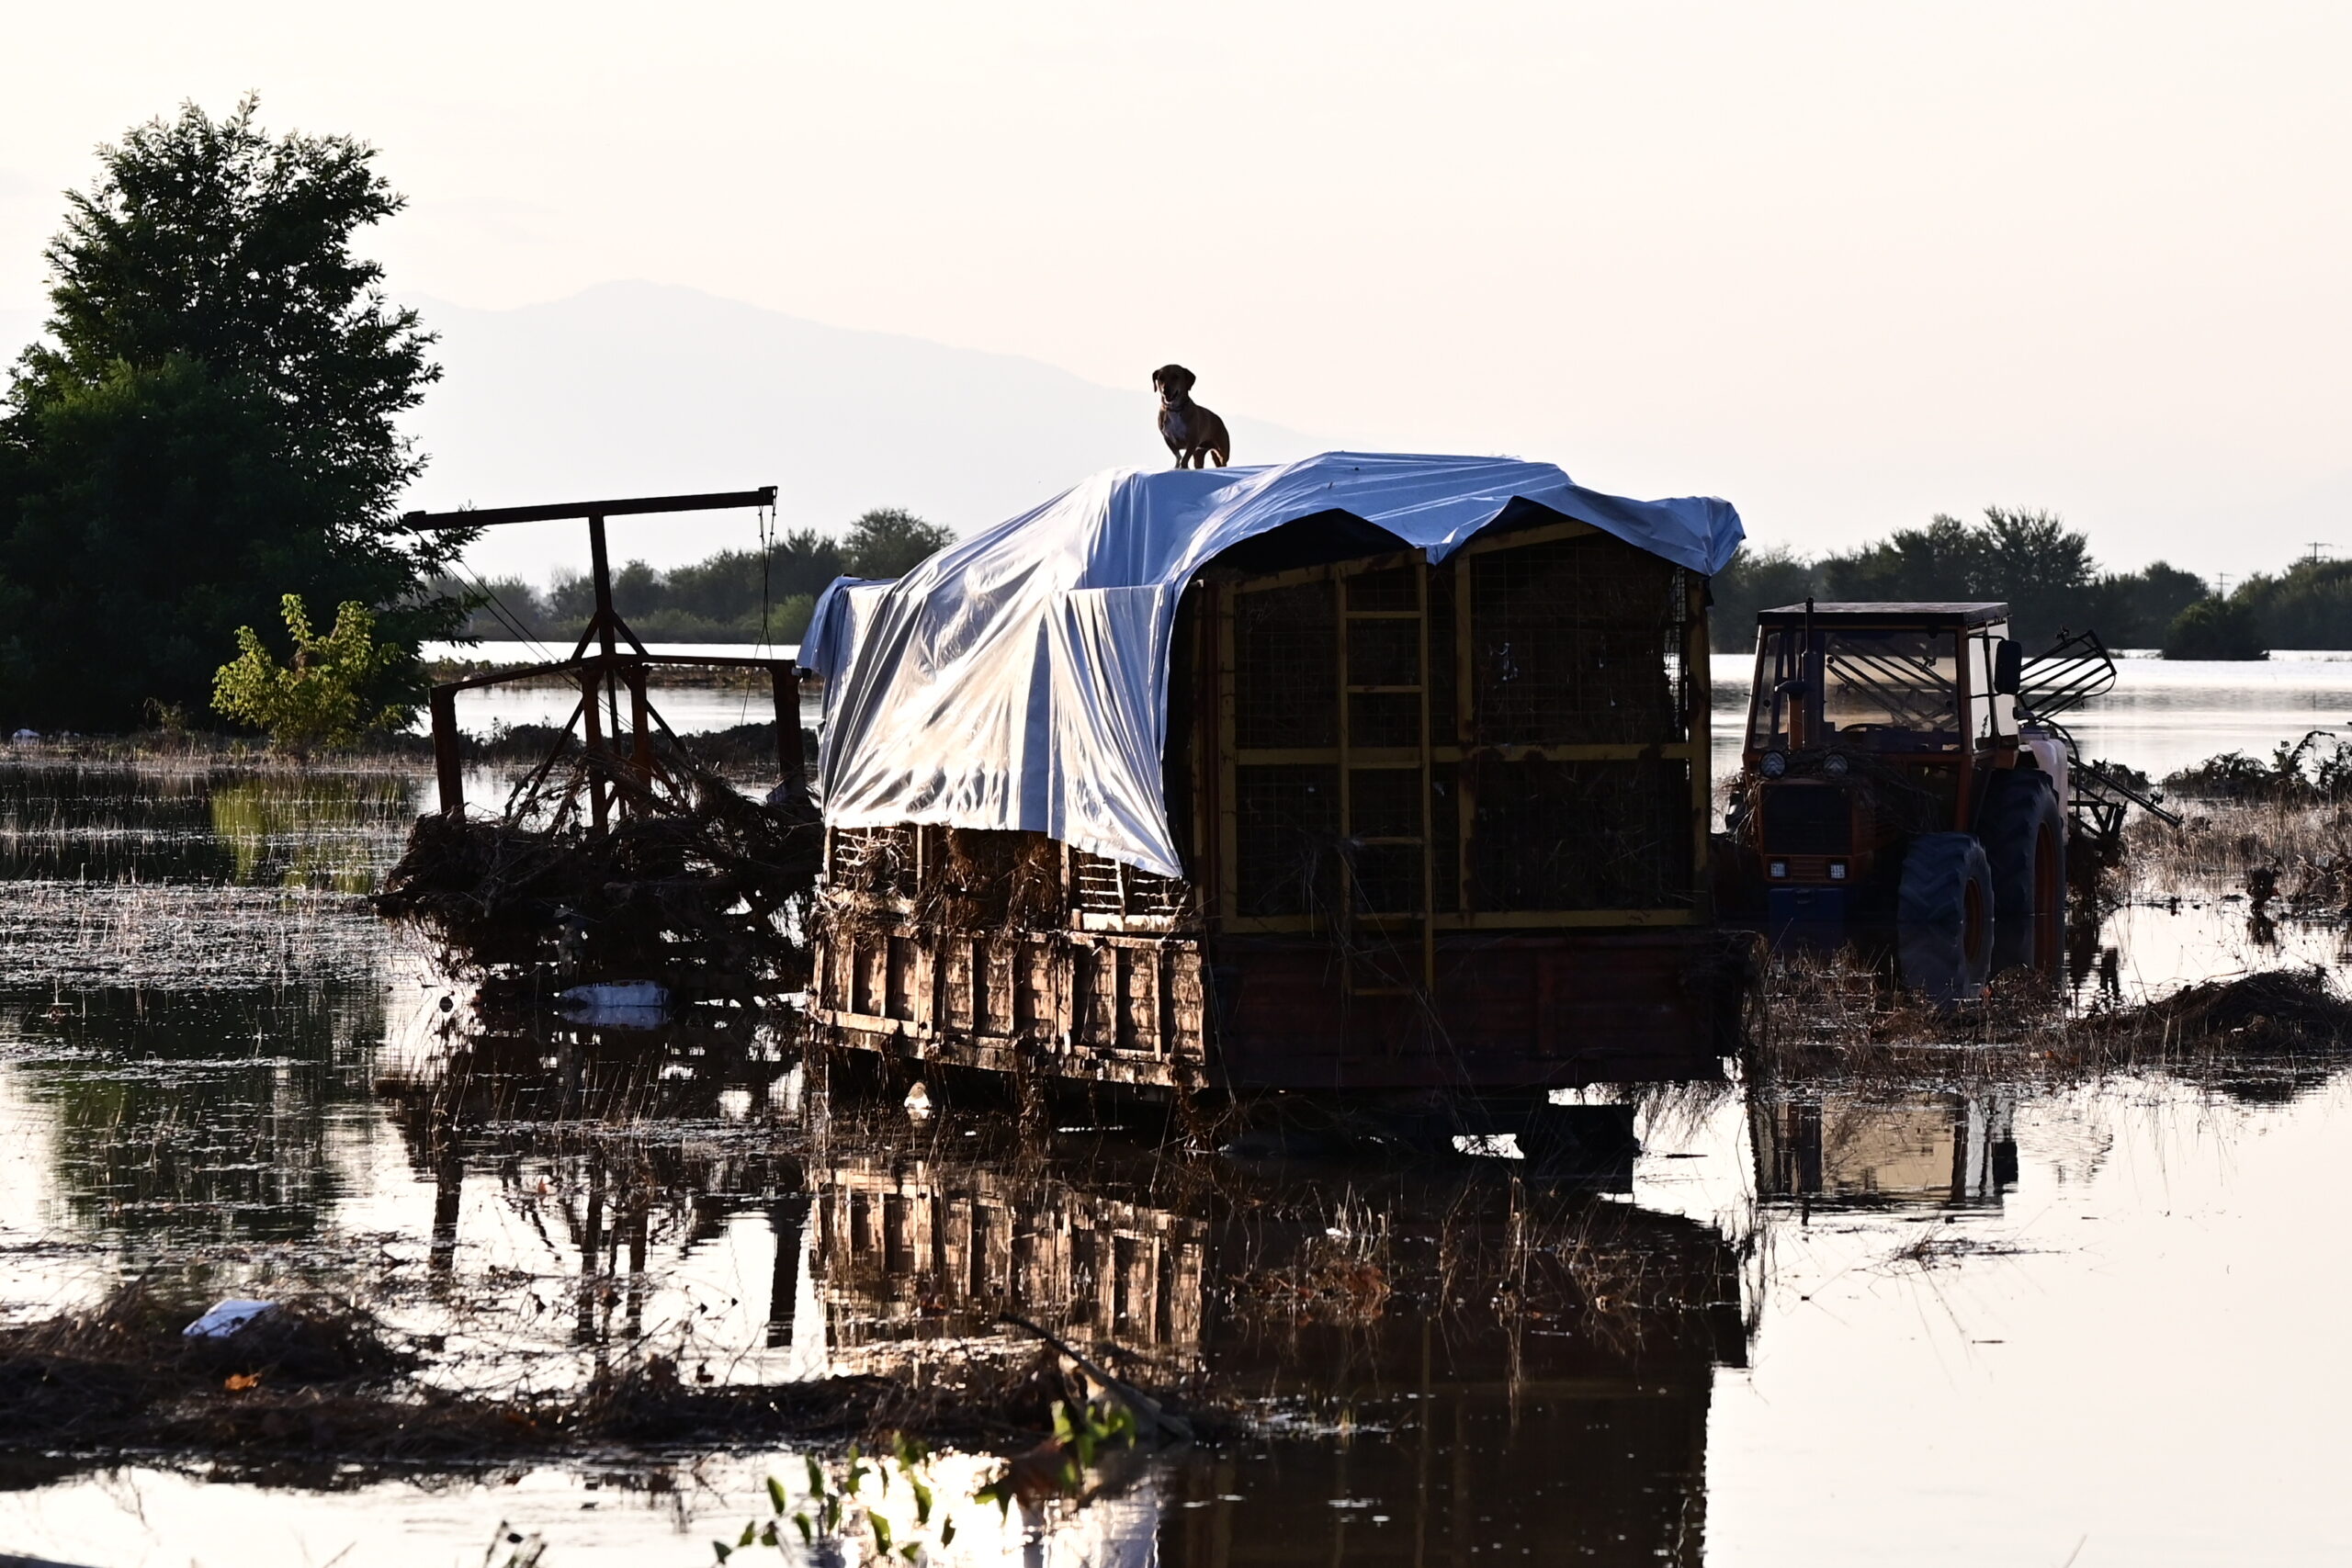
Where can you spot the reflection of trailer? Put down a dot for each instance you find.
(1427, 823)
(1537, 1334)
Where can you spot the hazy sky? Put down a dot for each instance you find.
(1844, 264)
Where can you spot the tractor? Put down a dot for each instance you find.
(1902, 776)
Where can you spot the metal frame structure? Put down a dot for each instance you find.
(622, 772)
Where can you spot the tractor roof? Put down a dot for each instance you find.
(1915, 610)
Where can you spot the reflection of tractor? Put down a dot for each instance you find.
(1901, 771)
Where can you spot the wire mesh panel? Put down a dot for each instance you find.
(1390, 588)
(1288, 821)
(1444, 678)
(1577, 641)
(1385, 803)
(1604, 835)
(1285, 676)
(1384, 652)
(1384, 719)
(1446, 837)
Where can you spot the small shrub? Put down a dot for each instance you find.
(2214, 628)
(2316, 768)
(320, 697)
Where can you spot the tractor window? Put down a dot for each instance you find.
(1991, 714)
(1879, 690)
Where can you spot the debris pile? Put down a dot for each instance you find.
(316, 1382)
(693, 894)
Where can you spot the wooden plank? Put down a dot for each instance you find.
(1228, 903)
(1465, 709)
(1698, 693)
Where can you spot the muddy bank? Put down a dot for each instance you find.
(1832, 1015)
(745, 750)
(319, 1387)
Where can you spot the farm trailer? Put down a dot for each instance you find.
(1436, 824)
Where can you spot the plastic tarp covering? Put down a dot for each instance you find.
(1019, 679)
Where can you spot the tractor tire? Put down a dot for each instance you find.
(2023, 830)
(1943, 917)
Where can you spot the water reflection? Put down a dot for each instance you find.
(192, 1119)
(1438, 1363)
(1947, 1150)
(591, 1192)
(78, 822)
(1455, 1364)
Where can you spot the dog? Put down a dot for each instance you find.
(1192, 431)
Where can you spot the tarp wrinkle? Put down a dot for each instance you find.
(1019, 679)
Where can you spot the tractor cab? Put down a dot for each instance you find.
(1891, 782)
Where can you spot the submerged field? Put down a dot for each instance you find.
(1931, 1291)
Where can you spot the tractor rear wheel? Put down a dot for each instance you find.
(1943, 917)
(2024, 834)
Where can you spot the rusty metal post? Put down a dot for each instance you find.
(447, 767)
(601, 575)
(592, 739)
(641, 727)
(600, 570)
(789, 757)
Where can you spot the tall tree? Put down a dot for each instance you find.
(212, 424)
(890, 541)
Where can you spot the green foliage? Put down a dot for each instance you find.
(1079, 1436)
(2316, 769)
(2308, 606)
(891, 541)
(834, 1523)
(2029, 561)
(321, 696)
(2134, 609)
(210, 424)
(1756, 581)
(2215, 628)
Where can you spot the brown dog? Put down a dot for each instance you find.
(1192, 433)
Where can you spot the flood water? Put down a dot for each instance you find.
(2163, 714)
(1930, 1322)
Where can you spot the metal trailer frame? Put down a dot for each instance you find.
(1012, 954)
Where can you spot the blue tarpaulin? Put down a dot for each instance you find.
(1019, 678)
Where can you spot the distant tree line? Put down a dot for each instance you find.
(733, 596)
(2044, 572)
